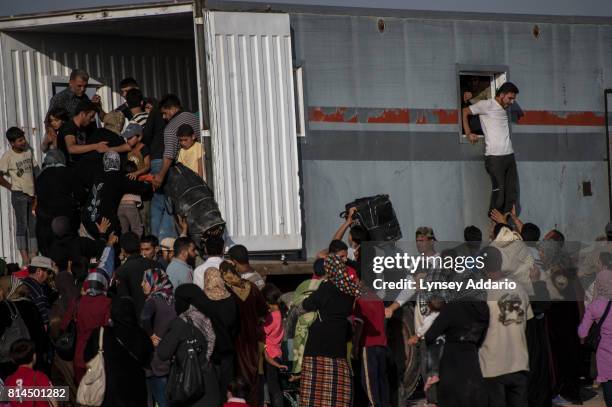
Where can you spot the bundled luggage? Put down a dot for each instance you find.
(191, 197)
(376, 215)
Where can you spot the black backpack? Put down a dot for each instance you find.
(377, 216)
(186, 380)
(16, 330)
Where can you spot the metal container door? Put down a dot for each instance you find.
(253, 128)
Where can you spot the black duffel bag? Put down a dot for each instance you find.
(376, 215)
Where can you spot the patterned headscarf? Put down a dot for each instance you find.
(214, 286)
(339, 276)
(160, 284)
(96, 283)
(239, 286)
(54, 158)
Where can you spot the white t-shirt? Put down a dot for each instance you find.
(19, 167)
(495, 126)
(504, 349)
(198, 273)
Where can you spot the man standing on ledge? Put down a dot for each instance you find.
(499, 155)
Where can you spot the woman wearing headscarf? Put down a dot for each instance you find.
(55, 197)
(62, 371)
(252, 311)
(157, 315)
(602, 297)
(218, 305)
(127, 351)
(90, 312)
(192, 324)
(326, 378)
(14, 294)
(105, 195)
(457, 334)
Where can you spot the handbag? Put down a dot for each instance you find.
(186, 380)
(65, 345)
(93, 385)
(591, 342)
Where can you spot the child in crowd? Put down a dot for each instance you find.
(370, 345)
(237, 394)
(128, 213)
(274, 331)
(140, 155)
(56, 118)
(18, 164)
(192, 152)
(23, 354)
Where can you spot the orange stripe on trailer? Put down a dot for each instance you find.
(546, 118)
(318, 115)
(393, 116)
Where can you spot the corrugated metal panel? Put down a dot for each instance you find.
(31, 60)
(253, 128)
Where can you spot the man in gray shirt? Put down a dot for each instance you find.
(180, 269)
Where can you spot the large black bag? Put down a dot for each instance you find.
(186, 380)
(16, 330)
(65, 345)
(191, 197)
(591, 342)
(376, 215)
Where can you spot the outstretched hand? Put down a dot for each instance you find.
(498, 217)
(103, 225)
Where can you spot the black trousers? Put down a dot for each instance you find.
(508, 390)
(607, 392)
(504, 181)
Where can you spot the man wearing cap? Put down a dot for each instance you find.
(40, 270)
(166, 249)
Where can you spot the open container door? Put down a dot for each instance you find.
(253, 128)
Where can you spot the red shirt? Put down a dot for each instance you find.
(27, 377)
(371, 310)
(235, 402)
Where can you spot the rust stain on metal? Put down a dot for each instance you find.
(393, 116)
(542, 117)
(446, 116)
(318, 115)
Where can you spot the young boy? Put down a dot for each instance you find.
(22, 353)
(371, 339)
(237, 393)
(138, 164)
(19, 165)
(191, 150)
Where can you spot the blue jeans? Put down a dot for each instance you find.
(162, 222)
(25, 222)
(157, 389)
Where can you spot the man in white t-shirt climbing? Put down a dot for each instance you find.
(499, 155)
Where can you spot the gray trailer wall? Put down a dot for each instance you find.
(30, 60)
(381, 106)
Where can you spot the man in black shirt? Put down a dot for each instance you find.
(125, 86)
(72, 138)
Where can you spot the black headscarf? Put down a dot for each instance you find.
(127, 330)
(186, 295)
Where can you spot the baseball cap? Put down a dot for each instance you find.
(113, 121)
(167, 244)
(43, 262)
(426, 231)
(132, 130)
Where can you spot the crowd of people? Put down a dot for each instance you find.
(108, 270)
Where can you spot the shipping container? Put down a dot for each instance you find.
(307, 108)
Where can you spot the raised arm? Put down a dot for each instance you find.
(466, 112)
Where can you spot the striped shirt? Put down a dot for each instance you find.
(140, 118)
(171, 143)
